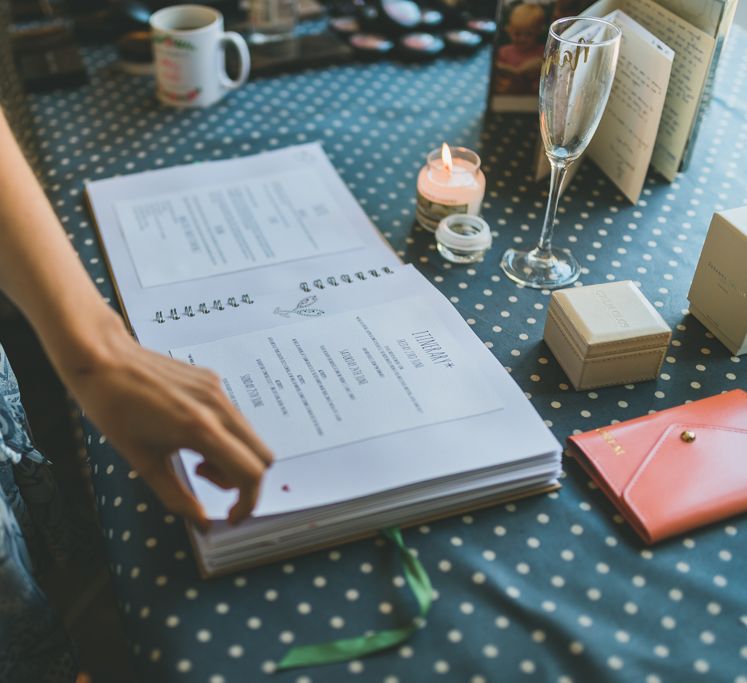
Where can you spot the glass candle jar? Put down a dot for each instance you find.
(450, 182)
(461, 238)
(272, 20)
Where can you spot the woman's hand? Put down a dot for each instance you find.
(149, 406)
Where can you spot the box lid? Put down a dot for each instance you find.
(610, 318)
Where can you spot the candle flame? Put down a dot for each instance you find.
(446, 157)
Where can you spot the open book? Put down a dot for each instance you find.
(381, 405)
(667, 62)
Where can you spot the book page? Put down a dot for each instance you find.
(692, 55)
(315, 385)
(210, 297)
(373, 462)
(702, 14)
(207, 231)
(624, 142)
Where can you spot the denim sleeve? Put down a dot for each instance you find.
(34, 647)
(33, 644)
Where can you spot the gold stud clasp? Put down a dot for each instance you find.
(688, 436)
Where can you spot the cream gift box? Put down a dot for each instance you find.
(718, 294)
(606, 334)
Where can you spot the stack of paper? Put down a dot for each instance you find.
(386, 409)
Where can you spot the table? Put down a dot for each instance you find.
(552, 588)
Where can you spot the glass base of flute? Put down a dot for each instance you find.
(545, 266)
(541, 269)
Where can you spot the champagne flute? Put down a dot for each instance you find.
(577, 74)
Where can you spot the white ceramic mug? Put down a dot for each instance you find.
(188, 45)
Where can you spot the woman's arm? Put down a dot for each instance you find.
(148, 405)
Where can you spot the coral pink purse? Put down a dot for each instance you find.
(674, 470)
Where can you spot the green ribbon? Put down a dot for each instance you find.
(345, 649)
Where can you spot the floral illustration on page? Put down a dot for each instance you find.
(303, 307)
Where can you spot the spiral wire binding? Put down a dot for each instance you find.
(347, 279)
(203, 308)
(232, 302)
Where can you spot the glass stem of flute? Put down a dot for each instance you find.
(557, 177)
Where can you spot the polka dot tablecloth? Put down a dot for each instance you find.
(551, 588)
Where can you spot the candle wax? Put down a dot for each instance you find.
(441, 192)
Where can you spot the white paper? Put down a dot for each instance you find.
(315, 385)
(692, 55)
(624, 142)
(261, 313)
(142, 304)
(693, 51)
(207, 231)
(350, 471)
(705, 15)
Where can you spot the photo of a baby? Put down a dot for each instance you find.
(519, 62)
(519, 50)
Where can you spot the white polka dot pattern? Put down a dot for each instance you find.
(554, 588)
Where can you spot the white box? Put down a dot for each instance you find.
(718, 294)
(607, 334)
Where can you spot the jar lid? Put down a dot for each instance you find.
(464, 232)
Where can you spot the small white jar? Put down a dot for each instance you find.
(463, 238)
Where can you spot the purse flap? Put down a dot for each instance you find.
(617, 452)
(694, 475)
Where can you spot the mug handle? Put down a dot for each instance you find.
(245, 61)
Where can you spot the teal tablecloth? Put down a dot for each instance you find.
(553, 588)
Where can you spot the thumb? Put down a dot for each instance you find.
(173, 493)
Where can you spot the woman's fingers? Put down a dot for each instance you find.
(238, 464)
(244, 505)
(151, 406)
(213, 474)
(212, 394)
(160, 476)
(241, 430)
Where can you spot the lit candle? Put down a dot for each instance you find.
(450, 182)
